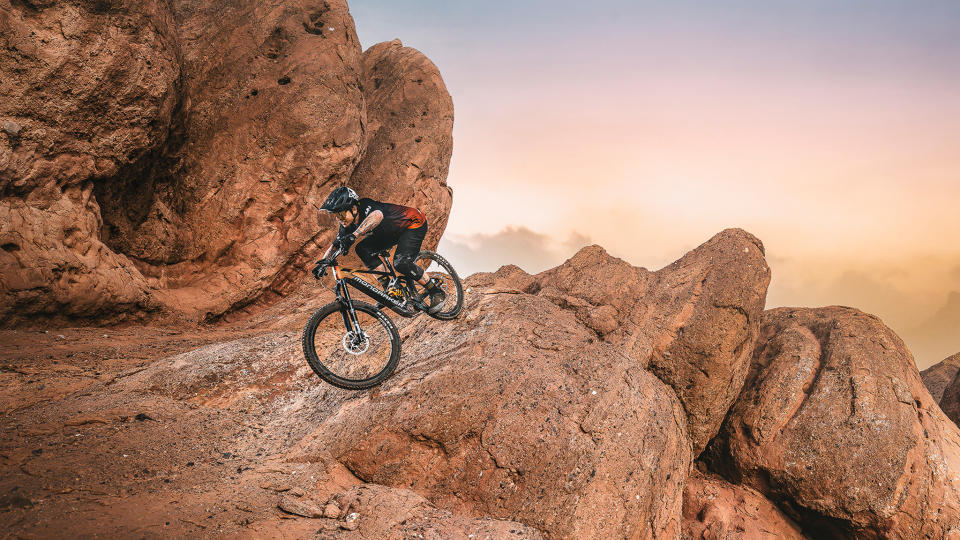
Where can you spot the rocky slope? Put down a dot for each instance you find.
(165, 157)
(547, 409)
(168, 156)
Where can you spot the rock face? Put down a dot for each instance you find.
(938, 376)
(272, 120)
(835, 424)
(176, 151)
(714, 508)
(502, 415)
(374, 511)
(409, 133)
(692, 323)
(90, 91)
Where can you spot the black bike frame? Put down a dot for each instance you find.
(343, 292)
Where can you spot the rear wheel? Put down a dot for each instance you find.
(353, 359)
(441, 269)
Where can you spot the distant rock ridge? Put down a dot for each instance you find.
(950, 401)
(177, 168)
(938, 376)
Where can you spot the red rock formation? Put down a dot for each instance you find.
(89, 92)
(490, 421)
(693, 323)
(714, 508)
(938, 376)
(835, 423)
(500, 414)
(272, 120)
(175, 154)
(374, 511)
(409, 133)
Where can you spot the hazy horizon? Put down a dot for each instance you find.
(831, 132)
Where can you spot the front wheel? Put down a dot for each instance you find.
(352, 358)
(441, 269)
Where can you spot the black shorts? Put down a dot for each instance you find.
(408, 247)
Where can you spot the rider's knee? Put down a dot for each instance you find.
(406, 266)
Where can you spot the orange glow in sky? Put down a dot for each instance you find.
(830, 132)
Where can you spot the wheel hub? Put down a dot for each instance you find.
(356, 343)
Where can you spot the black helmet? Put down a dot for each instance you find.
(340, 200)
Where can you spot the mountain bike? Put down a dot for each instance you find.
(354, 345)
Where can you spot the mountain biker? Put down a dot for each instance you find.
(380, 226)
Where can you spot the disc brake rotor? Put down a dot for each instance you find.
(353, 345)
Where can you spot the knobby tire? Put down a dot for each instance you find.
(335, 352)
(452, 285)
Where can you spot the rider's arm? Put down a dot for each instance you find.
(330, 249)
(369, 224)
(327, 252)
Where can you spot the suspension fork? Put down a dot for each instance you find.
(350, 321)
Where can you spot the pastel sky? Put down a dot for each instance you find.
(830, 130)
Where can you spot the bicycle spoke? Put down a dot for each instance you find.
(356, 354)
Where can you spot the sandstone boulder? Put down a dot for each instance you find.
(171, 155)
(89, 95)
(714, 508)
(409, 134)
(517, 411)
(272, 120)
(835, 424)
(938, 376)
(89, 89)
(693, 323)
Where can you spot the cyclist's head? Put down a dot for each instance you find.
(340, 200)
(348, 216)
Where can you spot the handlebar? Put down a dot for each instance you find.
(320, 269)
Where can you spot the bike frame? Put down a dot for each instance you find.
(343, 292)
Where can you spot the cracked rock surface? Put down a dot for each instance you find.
(835, 423)
(168, 157)
(547, 409)
(692, 323)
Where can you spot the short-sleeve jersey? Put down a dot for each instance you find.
(396, 218)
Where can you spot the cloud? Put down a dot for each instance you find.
(530, 250)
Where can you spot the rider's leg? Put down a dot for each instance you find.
(367, 250)
(408, 247)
